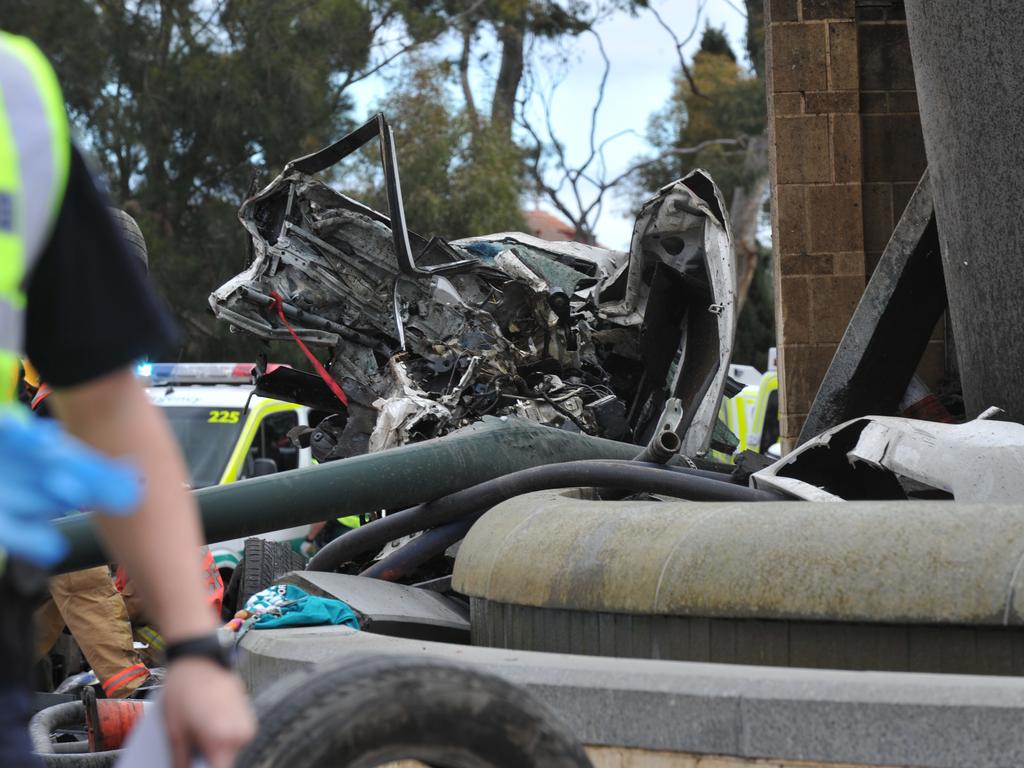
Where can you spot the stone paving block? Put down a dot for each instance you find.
(811, 360)
(843, 67)
(802, 149)
(884, 52)
(878, 215)
(874, 102)
(851, 263)
(783, 10)
(788, 103)
(796, 264)
(903, 101)
(828, 9)
(837, 223)
(795, 313)
(833, 301)
(893, 148)
(820, 102)
(846, 154)
(791, 218)
(799, 57)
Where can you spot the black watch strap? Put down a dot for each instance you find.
(204, 647)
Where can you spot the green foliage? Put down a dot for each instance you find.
(728, 104)
(546, 18)
(458, 179)
(181, 102)
(715, 42)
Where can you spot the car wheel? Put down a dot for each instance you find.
(264, 563)
(362, 712)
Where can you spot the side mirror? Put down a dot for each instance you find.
(261, 467)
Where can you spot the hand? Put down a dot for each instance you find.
(207, 713)
(45, 473)
(308, 548)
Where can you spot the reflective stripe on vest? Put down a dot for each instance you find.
(35, 154)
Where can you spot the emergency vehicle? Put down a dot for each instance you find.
(227, 433)
(752, 414)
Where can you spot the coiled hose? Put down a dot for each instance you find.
(48, 720)
(471, 503)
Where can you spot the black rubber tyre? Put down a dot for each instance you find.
(131, 233)
(360, 712)
(264, 563)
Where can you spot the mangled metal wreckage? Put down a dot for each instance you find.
(427, 336)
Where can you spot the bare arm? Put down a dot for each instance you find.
(159, 545)
(204, 705)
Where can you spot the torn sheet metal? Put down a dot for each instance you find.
(406, 413)
(440, 334)
(882, 457)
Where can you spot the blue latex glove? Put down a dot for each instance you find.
(45, 473)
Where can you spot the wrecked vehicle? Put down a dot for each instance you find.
(885, 457)
(425, 337)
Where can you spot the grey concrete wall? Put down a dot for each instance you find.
(877, 562)
(932, 721)
(969, 67)
(946, 649)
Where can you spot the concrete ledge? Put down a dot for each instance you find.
(866, 718)
(900, 562)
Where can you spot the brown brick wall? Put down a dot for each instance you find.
(846, 155)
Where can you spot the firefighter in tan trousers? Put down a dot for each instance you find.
(89, 605)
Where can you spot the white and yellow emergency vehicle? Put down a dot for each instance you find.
(226, 433)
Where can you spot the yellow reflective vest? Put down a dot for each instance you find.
(35, 155)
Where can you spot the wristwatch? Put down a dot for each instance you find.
(204, 647)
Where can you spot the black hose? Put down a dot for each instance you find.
(710, 474)
(46, 721)
(418, 551)
(678, 482)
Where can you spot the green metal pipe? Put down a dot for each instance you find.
(396, 478)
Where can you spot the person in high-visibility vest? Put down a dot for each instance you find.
(87, 602)
(71, 299)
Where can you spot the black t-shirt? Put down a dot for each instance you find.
(91, 308)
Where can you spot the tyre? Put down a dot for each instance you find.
(232, 587)
(361, 712)
(129, 230)
(264, 563)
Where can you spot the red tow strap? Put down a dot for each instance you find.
(278, 305)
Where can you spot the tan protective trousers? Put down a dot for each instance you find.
(88, 603)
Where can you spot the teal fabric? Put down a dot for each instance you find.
(286, 605)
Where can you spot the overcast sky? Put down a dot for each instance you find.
(643, 62)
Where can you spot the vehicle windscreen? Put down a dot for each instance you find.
(206, 436)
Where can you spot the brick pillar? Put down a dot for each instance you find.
(817, 196)
(893, 145)
(846, 154)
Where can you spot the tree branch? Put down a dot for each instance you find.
(682, 151)
(467, 91)
(679, 44)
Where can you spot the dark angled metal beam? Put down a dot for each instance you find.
(890, 329)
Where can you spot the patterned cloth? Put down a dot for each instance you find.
(285, 605)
